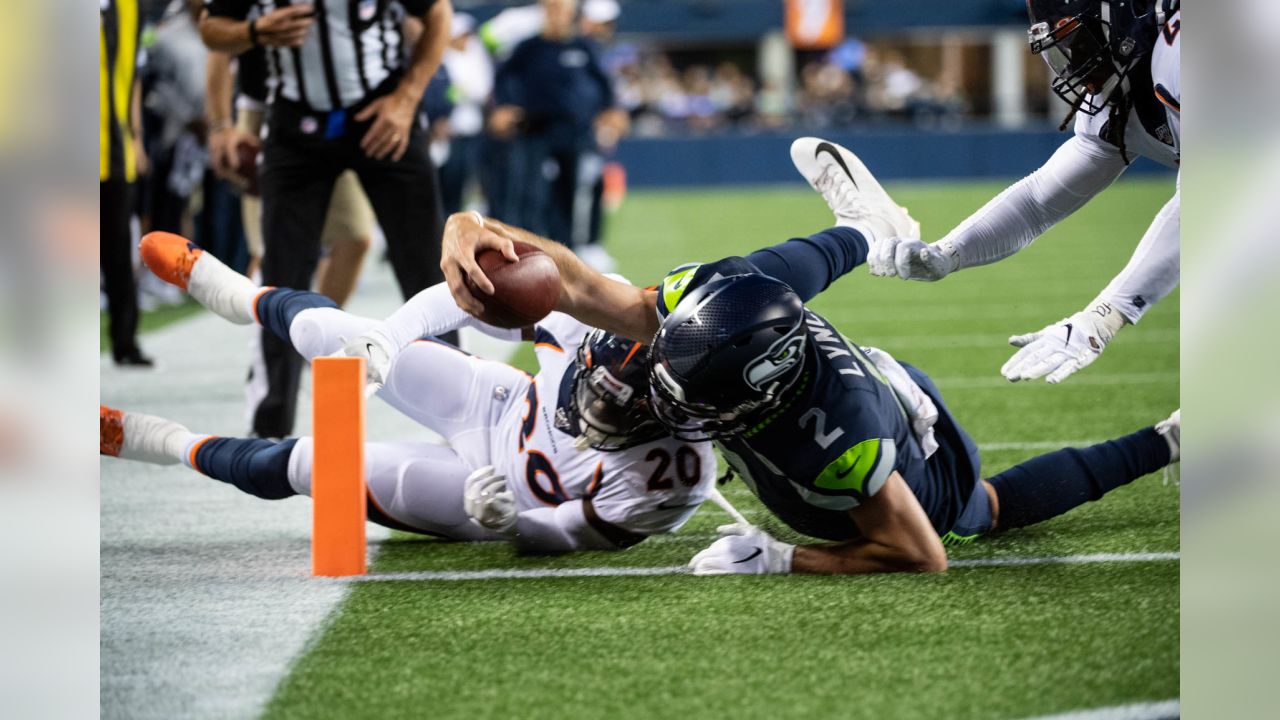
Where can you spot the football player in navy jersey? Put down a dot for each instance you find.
(841, 442)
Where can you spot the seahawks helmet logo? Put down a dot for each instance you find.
(784, 355)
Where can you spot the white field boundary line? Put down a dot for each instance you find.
(1162, 710)
(997, 380)
(540, 573)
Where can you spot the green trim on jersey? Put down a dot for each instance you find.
(851, 469)
(674, 285)
(952, 540)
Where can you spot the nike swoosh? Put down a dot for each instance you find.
(664, 506)
(1068, 340)
(368, 347)
(757, 552)
(835, 153)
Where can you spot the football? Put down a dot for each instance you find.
(247, 165)
(523, 291)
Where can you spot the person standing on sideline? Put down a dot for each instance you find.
(344, 98)
(348, 226)
(551, 92)
(120, 161)
(470, 85)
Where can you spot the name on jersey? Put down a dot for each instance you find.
(833, 346)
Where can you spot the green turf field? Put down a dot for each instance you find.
(977, 642)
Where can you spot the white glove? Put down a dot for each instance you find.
(917, 260)
(1059, 350)
(743, 549)
(880, 254)
(922, 413)
(487, 501)
(378, 350)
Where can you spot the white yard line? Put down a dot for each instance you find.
(207, 597)
(1081, 379)
(539, 573)
(1162, 710)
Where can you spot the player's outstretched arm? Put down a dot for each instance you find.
(896, 537)
(1081, 168)
(585, 294)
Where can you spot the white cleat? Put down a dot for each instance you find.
(851, 191)
(1171, 429)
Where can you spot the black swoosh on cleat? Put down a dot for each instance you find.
(1068, 340)
(752, 555)
(835, 153)
(368, 347)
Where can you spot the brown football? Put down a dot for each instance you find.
(247, 152)
(523, 291)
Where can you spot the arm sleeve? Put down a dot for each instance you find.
(607, 96)
(809, 265)
(433, 312)
(1083, 167)
(234, 9)
(1154, 270)
(568, 527)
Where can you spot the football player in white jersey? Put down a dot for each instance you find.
(1116, 63)
(568, 459)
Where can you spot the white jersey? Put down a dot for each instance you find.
(651, 488)
(1159, 140)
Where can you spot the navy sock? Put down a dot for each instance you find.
(278, 307)
(258, 467)
(1049, 485)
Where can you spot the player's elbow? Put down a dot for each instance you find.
(925, 558)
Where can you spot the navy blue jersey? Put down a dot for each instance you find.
(559, 84)
(839, 433)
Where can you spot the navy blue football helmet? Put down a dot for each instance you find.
(609, 395)
(1092, 45)
(725, 355)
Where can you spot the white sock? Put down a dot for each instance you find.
(223, 290)
(154, 439)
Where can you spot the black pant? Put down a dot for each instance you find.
(300, 165)
(115, 246)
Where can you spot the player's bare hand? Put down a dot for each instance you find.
(388, 136)
(465, 236)
(285, 27)
(223, 157)
(505, 120)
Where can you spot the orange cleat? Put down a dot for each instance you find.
(170, 256)
(110, 430)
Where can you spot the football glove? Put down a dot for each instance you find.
(917, 260)
(1061, 349)
(922, 413)
(378, 350)
(744, 549)
(487, 501)
(880, 255)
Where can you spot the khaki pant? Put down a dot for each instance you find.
(350, 215)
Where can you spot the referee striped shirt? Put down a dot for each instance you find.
(352, 48)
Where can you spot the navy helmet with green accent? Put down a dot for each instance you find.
(727, 351)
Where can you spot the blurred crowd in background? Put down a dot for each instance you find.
(496, 152)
